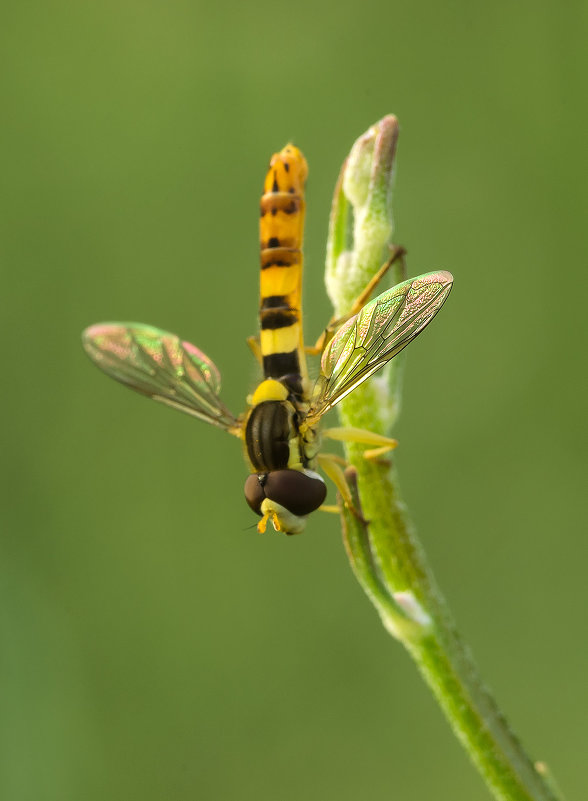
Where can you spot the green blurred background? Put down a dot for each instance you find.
(153, 646)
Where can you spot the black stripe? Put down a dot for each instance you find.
(278, 318)
(277, 263)
(280, 243)
(275, 302)
(279, 257)
(275, 365)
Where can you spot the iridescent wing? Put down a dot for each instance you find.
(163, 367)
(375, 335)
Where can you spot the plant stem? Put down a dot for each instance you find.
(385, 553)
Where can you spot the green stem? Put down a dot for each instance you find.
(385, 553)
(392, 559)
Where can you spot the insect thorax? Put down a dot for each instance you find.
(273, 439)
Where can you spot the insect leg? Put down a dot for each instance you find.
(397, 253)
(255, 347)
(331, 466)
(364, 437)
(330, 508)
(330, 463)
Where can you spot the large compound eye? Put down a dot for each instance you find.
(254, 491)
(300, 493)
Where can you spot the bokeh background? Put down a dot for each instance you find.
(152, 645)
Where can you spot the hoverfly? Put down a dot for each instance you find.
(279, 430)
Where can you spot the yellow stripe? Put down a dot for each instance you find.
(280, 340)
(286, 227)
(281, 281)
(269, 390)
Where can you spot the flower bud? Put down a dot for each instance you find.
(365, 190)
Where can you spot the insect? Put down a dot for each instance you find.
(280, 428)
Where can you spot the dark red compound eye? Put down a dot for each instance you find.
(296, 491)
(254, 494)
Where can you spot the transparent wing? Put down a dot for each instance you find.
(375, 335)
(158, 364)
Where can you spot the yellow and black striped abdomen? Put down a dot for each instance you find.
(281, 232)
